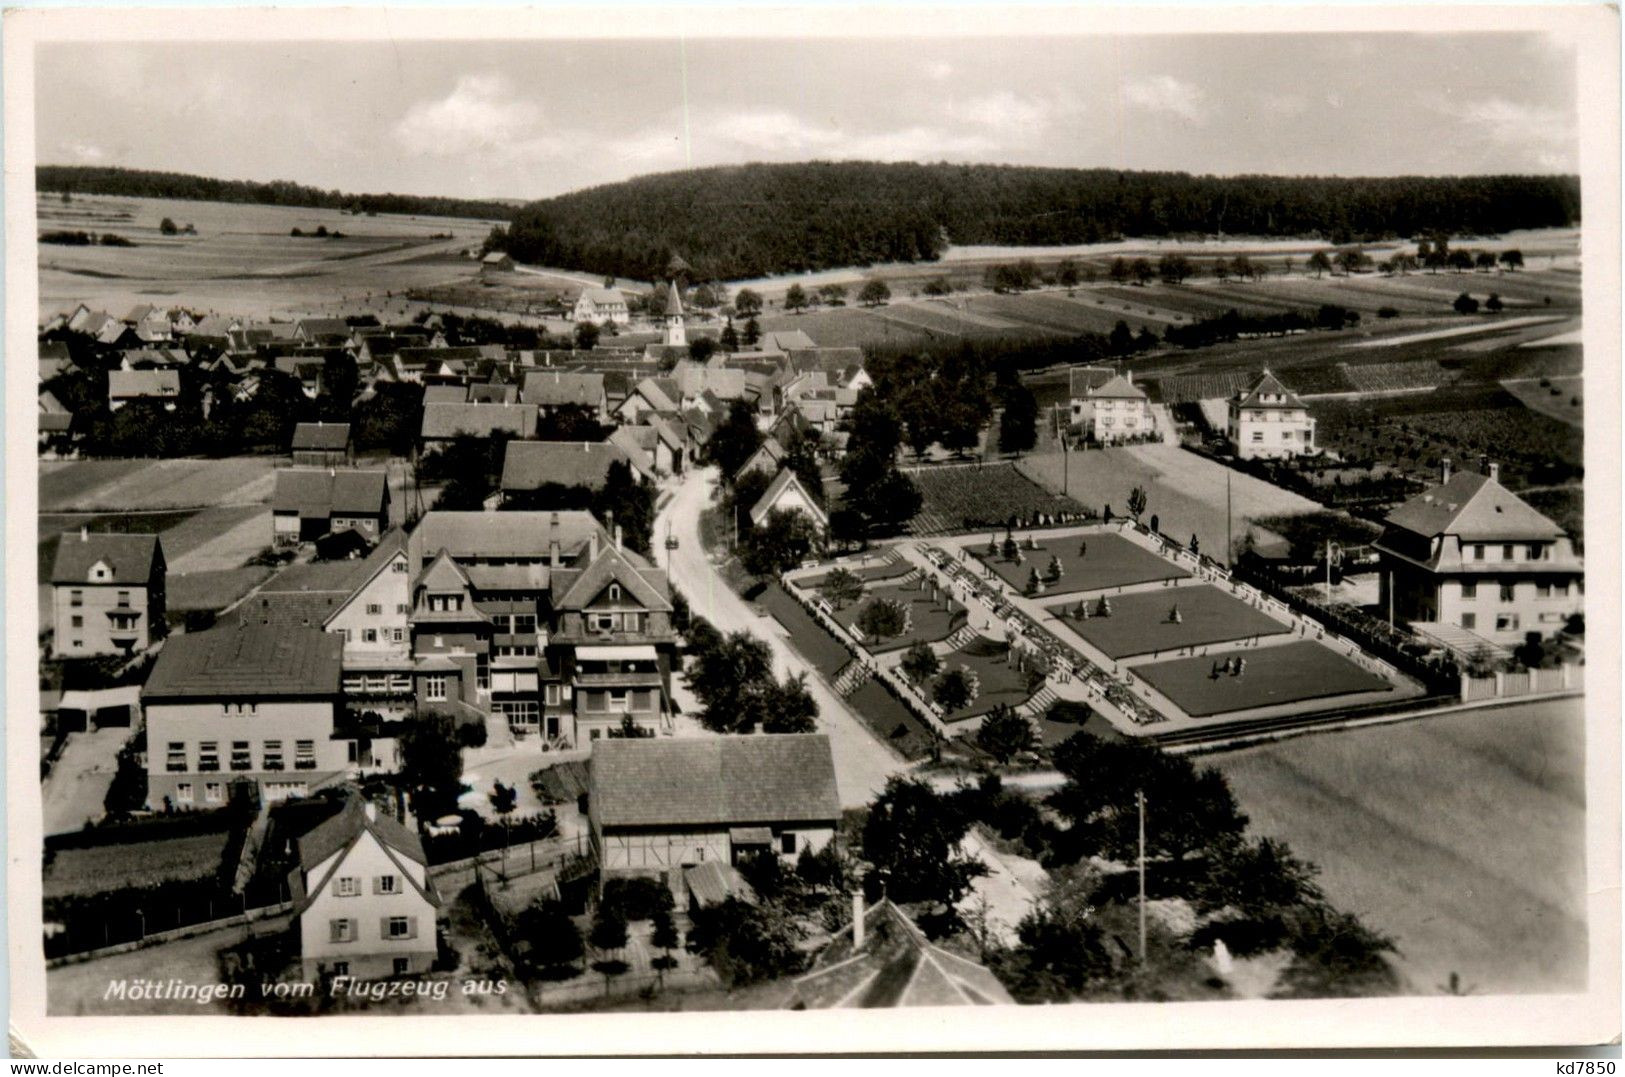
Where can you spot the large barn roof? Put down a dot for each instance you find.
(713, 781)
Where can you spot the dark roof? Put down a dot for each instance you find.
(324, 327)
(1473, 507)
(492, 535)
(674, 301)
(1268, 384)
(255, 660)
(127, 383)
(131, 557)
(781, 484)
(340, 833)
(323, 492)
(555, 388)
(528, 465)
(323, 436)
(713, 781)
(576, 590)
(296, 609)
(443, 420)
(896, 966)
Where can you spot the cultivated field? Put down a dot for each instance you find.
(112, 867)
(243, 260)
(1287, 673)
(1091, 562)
(145, 485)
(961, 497)
(1463, 837)
(1142, 622)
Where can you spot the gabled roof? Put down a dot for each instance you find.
(495, 258)
(247, 661)
(669, 430)
(323, 327)
(529, 465)
(896, 965)
(122, 384)
(131, 557)
(445, 394)
(1268, 385)
(782, 484)
(322, 492)
(612, 565)
(493, 535)
(492, 394)
(662, 394)
(556, 388)
(444, 574)
(713, 781)
(1473, 507)
(766, 457)
(331, 437)
(158, 357)
(785, 340)
(390, 546)
(446, 420)
(600, 297)
(1118, 388)
(342, 832)
(214, 325)
(638, 443)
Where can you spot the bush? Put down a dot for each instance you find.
(1387, 312)
(471, 734)
(111, 240)
(636, 898)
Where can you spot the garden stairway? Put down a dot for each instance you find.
(854, 675)
(960, 638)
(1040, 703)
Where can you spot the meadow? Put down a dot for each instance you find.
(1463, 837)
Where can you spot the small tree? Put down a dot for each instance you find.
(1512, 259)
(1004, 734)
(1054, 570)
(504, 799)
(1034, 585)
(874, 293)
(1137, 501)
(795, 299)
(1319, 262)
(554, 939)
(1465, 304)
(747, 302)
(664, 937)
(1010, 550)
(1493, 304)
(608, 936)
(882, 618)
(168, 227)
(920, 662)
(840, 587)
(586, 336)
(1103, 608)
(954, 690)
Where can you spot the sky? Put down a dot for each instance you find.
(532, 119)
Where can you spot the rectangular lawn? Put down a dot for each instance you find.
(1107, 560)
(1000, 681)
(867, 573)
(1140, 624)
(927, 619)
(1289, 673)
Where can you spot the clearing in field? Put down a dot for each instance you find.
(1288, 673)
(972, 496)
(1462, 837)
(1143, 622)
(930, 616)
(997, 680)
(1089, 562)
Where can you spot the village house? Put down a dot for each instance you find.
(107, 593)
(648, 450)
(363, 897)
(320, 444)
(496, 262)
(659, 805)
(1468, 555)
(154, 386)
(659, 395)
(599, 305)
(527, 466)
(1269, 421)
(557, 390)
(787, 493)
(312, 502)
(766, 459)
(149, 322)
(883, 959)
(327, 332)
(1112, 411)
(243, 703)
(445, 422)
(54, 359)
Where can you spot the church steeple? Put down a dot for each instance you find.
(676, 335)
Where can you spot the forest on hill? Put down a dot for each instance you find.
(136, 183)
(746, 221)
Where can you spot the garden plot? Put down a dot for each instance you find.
(927, 618)
(866, 573)
(1149, 622)
(997, 680)
(958, 498)
(1089, 562)
(143, 863)
(144, 485)
(1299, 672)
(1493, 326)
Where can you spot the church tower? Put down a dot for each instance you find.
(676, 336)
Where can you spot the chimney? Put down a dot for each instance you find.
(1483, 463)
(617, 536)
(84, 532)
(553, 541)
(1495, 472)
(1444, 470)
(592, 546)
(857, 920)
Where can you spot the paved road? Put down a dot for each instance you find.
(862, 763)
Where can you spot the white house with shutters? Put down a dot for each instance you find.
(1114, 410)
(364, 900)
(599, 305)
(1269, 420)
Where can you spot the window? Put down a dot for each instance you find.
(124, 600)
(183, 792)
(347, 886)
(617, 699)
(402, 966)
(77, 621)
(1508, 552)
(176, 760)
(386, 884)
(1258, 436)
(1536, 552)
(76, 598)
(1506, 622)
(304, 755)
(213, 792)
(1469, 589)
(614, 592)
(524, 623)
(341, 968)
(369, 635)
(1478, 552)
(208, 755)
(434, 688)
(375, 608)
(787, 844)
(1469, 620)
(604, 622)
(398, 635)
(397, 927)
(552, 695)
(272, 755)
(240, 758)
(78, 643)
(398, 566)
(402, 607)
(1507, 592)
(445, 603)
(1543, 590)
(341, 930)
(344, 634)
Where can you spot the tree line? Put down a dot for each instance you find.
(752, 220)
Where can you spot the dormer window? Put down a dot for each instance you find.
(100, 572)
(614, 592)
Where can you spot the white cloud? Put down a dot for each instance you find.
(1166, 94)
(777, 133)
(1547, 136)
(480, 115)
(1004, 110)
(86, 153)
(941, 71)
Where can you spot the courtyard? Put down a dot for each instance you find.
(1091, 561)
(1294, 672)
(1142, 622)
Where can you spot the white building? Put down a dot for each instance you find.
(1269, 420)
(364, 899)
(786, 492)
(675, 336)
(599, 305)
(1112, 411)
(1470, 555)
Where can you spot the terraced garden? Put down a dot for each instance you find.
(998, 682)
(926, 618)
(1294, 672)
(1092, 562)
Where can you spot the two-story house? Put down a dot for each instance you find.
(311, 502)
(1114, 410)
(363, 897)
(599, 305)
(107, 593)
(1468, 553)
(1269, 420)
(320, 444)
(251, 703)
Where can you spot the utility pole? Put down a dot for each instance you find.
(1229, 539)
(1139, 799)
